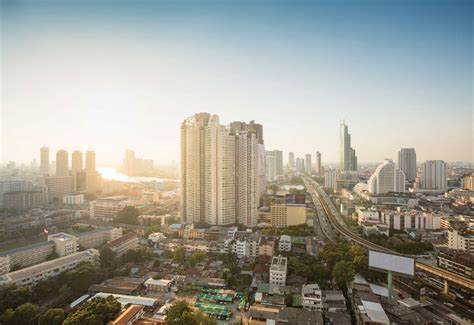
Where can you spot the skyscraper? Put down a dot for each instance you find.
(318, 163)
(44, 160)
(278, 162)
(348, 158)
(90, 162)
(308, 165)
(62, 163)
(270, 166)
(300, 165)
(220, 171)
(407, 163)
(387, 178)
(291, 160)
(433, 175)
(76, 161)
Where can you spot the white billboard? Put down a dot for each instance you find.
(388, 262)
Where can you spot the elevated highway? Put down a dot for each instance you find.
(340, 227)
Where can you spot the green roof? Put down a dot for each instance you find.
(263, 287)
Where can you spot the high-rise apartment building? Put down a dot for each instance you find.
(407, 163)
(270, 166)
(348, 158)
(222, 171)
(300, 166)
(308, 164)
(387, 178)
(76, 161)
(468, 182)
(433, 175)
(317, 168)
(44, 160)
(278, 162)
(62, 163)
(90, 162)
(59, 186)
(291, 160)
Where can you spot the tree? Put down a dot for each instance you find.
(180, 313)
(179, 254)
(81, 278)
(53, 316)
(23, 314)
(12, 297)
(138, 255)
(343, 273)
(107, 257)
(289, 300)
(196, 258)
(128, 215)
(95, 311)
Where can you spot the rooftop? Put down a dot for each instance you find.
(26, 248)
(122, 239)
(125, 317)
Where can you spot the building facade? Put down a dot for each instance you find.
(278, 271)
(433, 175)
(44, 160)
(407, 163)
(348, 158)
(318, 167)
(387, 178)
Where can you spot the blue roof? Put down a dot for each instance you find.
(176, 225)
(25, 248)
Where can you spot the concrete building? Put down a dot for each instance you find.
(278, 270)
(58, 187)
(73, 199)
(278, 162)
(65, 244)
(284, 244)
(270, 166)
(105, 209)
(283, 215)
(243, 244)
(129, 316)
(90, 162)
(124, 243)
(98, 237)
(308, 164)
(76, 161)
(365, 215)
(291, 160)
(44, 160)
(160, 285)
(300, 165)
(266, 247)
(62, 163)
(318, 167)
(311, 297)
(32, 275)
(387, 178)
(330, 178)
(413, 219)
(4, 265)
(25, 200)
(28, 255)
(14, 186)
(407, 163)
(458, 262)
(468, 182)
(433, 175)
(461, 240)
(348, 158)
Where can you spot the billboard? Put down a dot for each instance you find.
(389, 262)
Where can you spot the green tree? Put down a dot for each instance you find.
(139, 255)
(95, 311)
(179, 254)
(343, 273)
(196, 258)
(128, 215)
(107, 257)
(81, 278)
(23, 315)
(180, 313)
(13, 296)
(53, 316)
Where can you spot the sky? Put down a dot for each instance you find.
(111, 75)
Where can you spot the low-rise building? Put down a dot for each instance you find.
(4, 264)
(25, 200)
(458, 262)
(65, 244)
(105, 209)
(73, 199)
(266, 247)
(58, 186)
(32, 275)
(29, 255)
(128, 316)
(243, 244)
(284, 245)
(311, 297)
(462, 240)
(124, 243)
(278, 270)
(160, 285)
(97, 237)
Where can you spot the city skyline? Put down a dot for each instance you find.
(132, 75)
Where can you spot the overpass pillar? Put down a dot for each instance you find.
(446, 287)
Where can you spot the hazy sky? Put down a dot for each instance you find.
(111, 75)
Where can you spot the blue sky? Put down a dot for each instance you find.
(111, 75)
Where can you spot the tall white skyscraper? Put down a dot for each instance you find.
(348, 156)
(90, 162)
(407, 163)
(278, 162)
(318, 163)
(308, 164)
(291, 160)
(44, 160)
(300, 165)
(270, 166)
(220, 171)
(387, 178)
(433, 175)
(62, 163)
